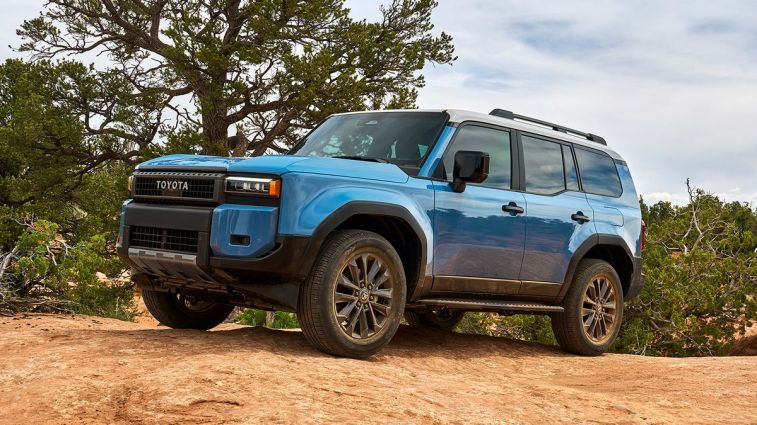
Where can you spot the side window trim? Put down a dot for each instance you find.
(578, 170)
(515, 179)
(569, 146)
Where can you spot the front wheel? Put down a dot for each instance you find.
(180, 312)
(593, 310)
(353, 301)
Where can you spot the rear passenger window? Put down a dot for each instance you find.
(598, 173)
(543, 160)
(483, 139)
(571, 177)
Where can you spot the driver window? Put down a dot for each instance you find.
(494, 142)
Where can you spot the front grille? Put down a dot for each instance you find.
(176, 185)
(165, 239)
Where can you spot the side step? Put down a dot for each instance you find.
(466, 304)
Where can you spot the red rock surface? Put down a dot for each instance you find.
(84, 370)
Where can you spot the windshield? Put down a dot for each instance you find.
(401, 138)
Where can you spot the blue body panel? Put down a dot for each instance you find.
(552, 237)
(308, 199)
(190, 161)
(350, 169)
(281, 164)
(619, 216)
(474, 237)
(256, 222)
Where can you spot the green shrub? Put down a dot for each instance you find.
(255, 317)
(520, 326)
(46, 274)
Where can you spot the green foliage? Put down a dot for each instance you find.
(255, 317)
(270, 68)
(60, 195)
(700, 268)
(520, 326)
(48, 274)
(49, 168)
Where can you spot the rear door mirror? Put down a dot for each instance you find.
(470, 166)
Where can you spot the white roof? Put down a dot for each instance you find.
(458, 116)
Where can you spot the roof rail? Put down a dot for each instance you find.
(562, 129)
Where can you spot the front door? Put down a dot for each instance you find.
(479, 234)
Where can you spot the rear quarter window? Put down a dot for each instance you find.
(598, 173)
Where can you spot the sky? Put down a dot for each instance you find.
(671, 85)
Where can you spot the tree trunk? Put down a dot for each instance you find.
(269, 316)
(216, 135)
(214, 126)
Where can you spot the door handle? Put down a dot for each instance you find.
(513, 209)
(580, 217)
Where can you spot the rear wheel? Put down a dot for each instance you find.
(181, 312)
(593, 310)
(353, 301)
(444, 318)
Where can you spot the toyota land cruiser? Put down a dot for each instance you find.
(376, 215)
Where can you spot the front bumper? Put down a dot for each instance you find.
(211, 247)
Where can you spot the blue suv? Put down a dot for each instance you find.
(373, 216)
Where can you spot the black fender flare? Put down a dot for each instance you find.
(353, 208)
(583, 249)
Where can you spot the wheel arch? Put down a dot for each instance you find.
(610, 248)
(394, 222)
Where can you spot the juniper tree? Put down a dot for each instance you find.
(268, 68)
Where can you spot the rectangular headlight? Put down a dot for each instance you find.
(254, 186)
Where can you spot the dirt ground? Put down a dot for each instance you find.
(82, 370)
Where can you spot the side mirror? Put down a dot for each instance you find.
(470, 166)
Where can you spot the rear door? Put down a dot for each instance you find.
(559, 215)
(478, 246)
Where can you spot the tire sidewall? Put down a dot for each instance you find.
(576, 302)
(171, 311)
(378, 246)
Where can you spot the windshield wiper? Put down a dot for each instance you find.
(362, 158)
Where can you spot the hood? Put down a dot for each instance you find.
(279, 164)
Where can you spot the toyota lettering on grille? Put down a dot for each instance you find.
(172, 185)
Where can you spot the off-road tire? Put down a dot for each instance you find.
(171, 310)
(442, 319)
(568, 326)
(316, 310)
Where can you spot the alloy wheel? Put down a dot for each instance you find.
(600, 309)
(363, 295)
